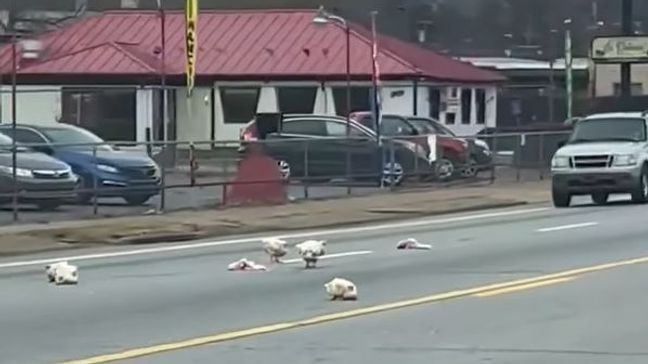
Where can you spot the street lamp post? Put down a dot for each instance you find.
(568, 68)
(323, 18)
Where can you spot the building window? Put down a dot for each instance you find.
(466, 105)
(480, 94)
(296, 100)
(450, 118)
(435, 102)
(239, 103)
(360, 99)
(636, 89)
(111, 113)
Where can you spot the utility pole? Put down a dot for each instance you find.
(628, 30)
(14, 71)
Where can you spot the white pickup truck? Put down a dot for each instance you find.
(606, 154)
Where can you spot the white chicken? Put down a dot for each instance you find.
(412, 243)
(311, 251)
(341, 289)
(62, 273)
(275, 248)
(246, 265)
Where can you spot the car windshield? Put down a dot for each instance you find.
(6, 142)
(609, 130)
(75, 136)
(422, 126)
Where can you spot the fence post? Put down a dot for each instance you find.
(149, 148)
(518, 155)
(392, 161)
(306, 178)
(348, 166)
(541, 159)
(494, 162)
(192, 164)
(95, 183)
(163, 178)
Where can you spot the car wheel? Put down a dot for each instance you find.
(640, 192)
(48, 205)
(284, 169)
(470, 170)
(445, 169)
(560, 198)
(136, 200)
(392, 174)
(600, 198)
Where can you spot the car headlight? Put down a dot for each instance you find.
(625, 160)
(107, 168)
(482, 144)
(20, 172)
(560, 162)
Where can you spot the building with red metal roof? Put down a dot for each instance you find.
(247, 61)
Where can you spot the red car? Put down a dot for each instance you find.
(453, 152)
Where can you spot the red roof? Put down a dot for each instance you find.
(267, 44)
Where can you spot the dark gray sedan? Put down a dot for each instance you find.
(40, 179)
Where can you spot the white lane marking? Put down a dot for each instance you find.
(567, 227)
(327, 232)
(330, 256)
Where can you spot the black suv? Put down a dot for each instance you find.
(316, 147)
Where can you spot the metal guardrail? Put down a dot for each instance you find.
(205, 170)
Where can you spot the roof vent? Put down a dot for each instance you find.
(31, 48)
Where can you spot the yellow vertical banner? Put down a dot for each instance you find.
(191, 42)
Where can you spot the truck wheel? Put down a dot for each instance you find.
(560, 198)
(600, 198)
(640, 192)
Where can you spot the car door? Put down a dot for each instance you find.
(359, 153)
(301, 146)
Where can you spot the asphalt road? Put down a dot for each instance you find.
(148, 299)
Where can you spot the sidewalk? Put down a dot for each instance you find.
(22, 239)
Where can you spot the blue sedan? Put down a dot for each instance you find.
(135, 178)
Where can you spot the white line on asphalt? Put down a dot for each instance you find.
(330, 256)
(327, 232)
(567, 227)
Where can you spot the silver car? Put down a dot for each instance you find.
(606, 154)
(40, 179)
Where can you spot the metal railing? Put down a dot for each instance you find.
(200, 174)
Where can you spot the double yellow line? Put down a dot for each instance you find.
(483, 291)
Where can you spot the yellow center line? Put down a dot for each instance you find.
(498, 288)
(524, 287)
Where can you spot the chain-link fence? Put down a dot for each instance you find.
(76, 181)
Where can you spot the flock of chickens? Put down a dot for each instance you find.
(310, 251)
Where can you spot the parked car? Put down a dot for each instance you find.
(133, 177)
(328, 149)
(453, 152)
(480, 156)
(41, 179)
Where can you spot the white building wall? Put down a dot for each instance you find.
(268, 101)
(144, 113)
(324, 103)
(423, 105)
(606, 75)
(35, 104)
(397, 100)
(194, 115)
